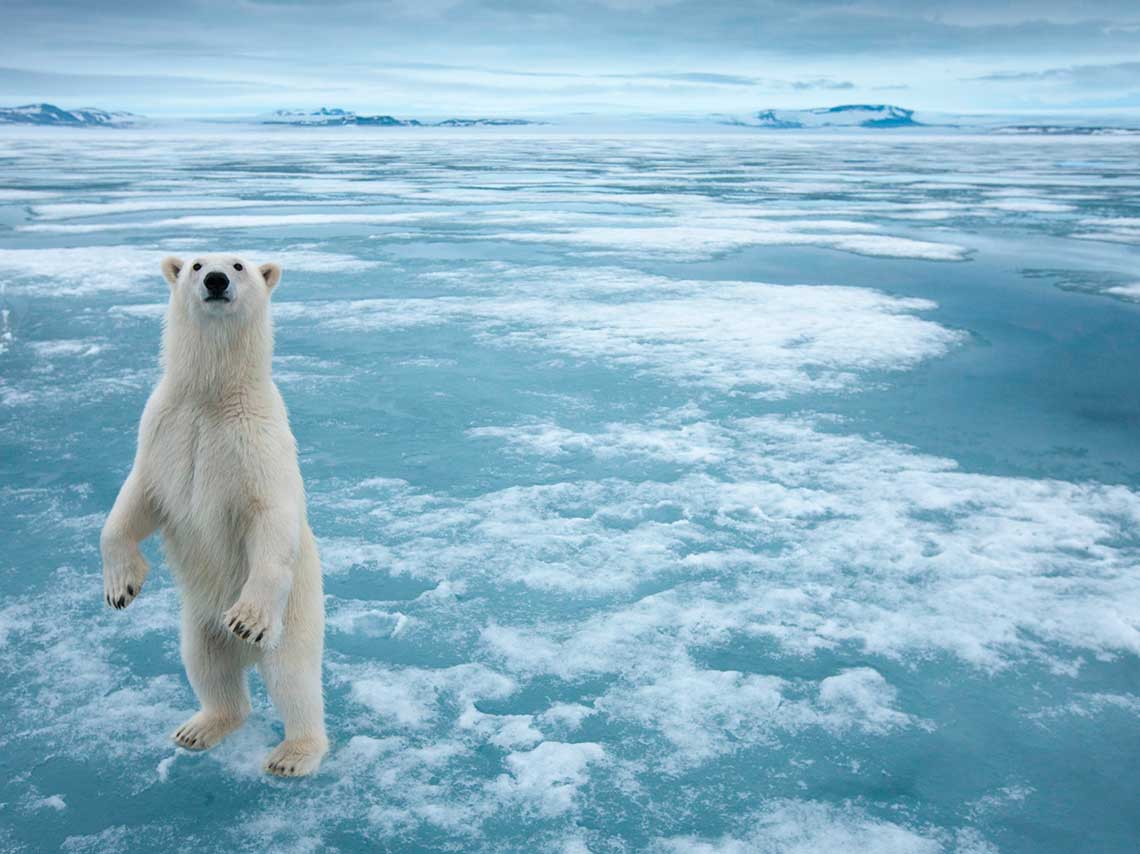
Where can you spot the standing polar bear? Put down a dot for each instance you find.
(216, 470)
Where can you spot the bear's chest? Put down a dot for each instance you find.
(207, 469)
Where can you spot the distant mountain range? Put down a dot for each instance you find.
(468, 123)
(49, 114)
(329, 117)
(846, 115)
(334, 116)
(876, 116)
(1067, 130)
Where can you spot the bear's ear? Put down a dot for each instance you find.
(272, 275)
(171, 267)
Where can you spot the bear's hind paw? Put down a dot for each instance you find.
(296, 757)
(204, 730)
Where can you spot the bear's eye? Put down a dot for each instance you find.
(237, 267)
(197, 266)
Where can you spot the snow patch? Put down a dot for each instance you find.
(547, 778)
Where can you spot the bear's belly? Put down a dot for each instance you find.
(209, 566)
(202, 490)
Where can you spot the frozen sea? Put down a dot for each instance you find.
(716, 493)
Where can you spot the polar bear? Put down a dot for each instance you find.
(216, 470)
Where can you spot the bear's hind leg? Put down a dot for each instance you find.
(215, 666)
(292, 677)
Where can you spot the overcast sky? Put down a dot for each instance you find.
(527, 57)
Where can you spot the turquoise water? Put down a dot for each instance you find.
(700, 493)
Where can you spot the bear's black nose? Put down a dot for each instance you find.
(216, 283)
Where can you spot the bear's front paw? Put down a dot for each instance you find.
(253, 623)
(123, 578)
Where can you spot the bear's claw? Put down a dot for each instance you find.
(123, 579)
(252, 624)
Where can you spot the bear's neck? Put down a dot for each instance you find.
(216, 361)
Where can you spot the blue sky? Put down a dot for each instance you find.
(433, 58)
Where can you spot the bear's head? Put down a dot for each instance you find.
(218, 287)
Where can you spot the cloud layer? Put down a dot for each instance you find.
(539, 57)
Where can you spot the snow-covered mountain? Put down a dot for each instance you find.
(467, 123)
(846, 115)
(386, 121)
(49, 114)
(1068, 130)
(329, 117)
(334, 116)
(321, 117)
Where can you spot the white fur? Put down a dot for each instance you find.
(216, 470)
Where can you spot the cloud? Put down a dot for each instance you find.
(705, 77)
(25, 81)
(478, 54)
(1085, 76)
(822, 83)
(718, 79)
